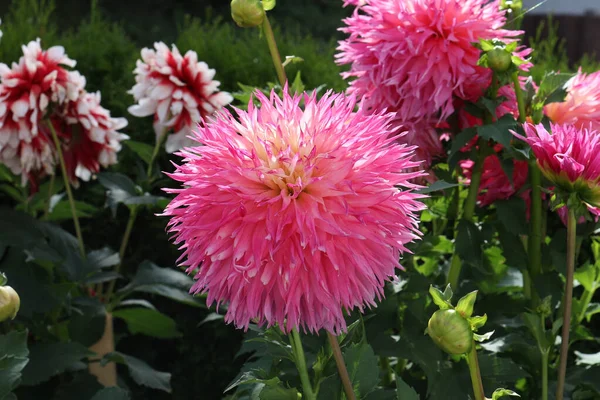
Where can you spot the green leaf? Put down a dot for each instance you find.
(499, 393)
(535, 326)
(405, 392)
(468, 242)
(278, 393)
(592, 309)
(458, 143)
(477, 322)
(511, 213)
(268, 4)
(499, 371)
(512, 249)
(13, 358)
(552, 89)
(62, 211)
(148, 322)
(141, 372)
(499, 131)
(166, 282)
(103, 258)
(441, 299)
(143, 150)
(121, 189)
(86, 325)
(587, 275)
(363, 367)
(49, 359)
(297, 85)
(437, 186)
(111, 393)
(465, 305)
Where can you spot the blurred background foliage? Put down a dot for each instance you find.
(105, 37)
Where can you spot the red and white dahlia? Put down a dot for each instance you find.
(178, 90)
(293, 215)
(413, 57)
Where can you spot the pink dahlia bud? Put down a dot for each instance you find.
(415, 57)
(294, 214)
(582, 103)
(568, 157)
(450, 332)
(26, 91)
(9, 303)
(247, 13)
(177, 90)
(89, 136)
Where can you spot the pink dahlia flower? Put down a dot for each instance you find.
(582, 103)
(413, 57)
(569, 157)
(292, 215)
(89, 136)
(26, 90)
(425, 139)
(178, 90)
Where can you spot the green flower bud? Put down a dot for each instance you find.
(450, 332)
(247, 13)
(499, 60)
(9, 303)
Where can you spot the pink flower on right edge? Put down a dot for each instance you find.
(569, 157)
(582, 103)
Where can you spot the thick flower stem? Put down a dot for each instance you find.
(568, 302)
(545, 374)
(520, 97)
(475, 373)
(341, 366)
(63, 169)
(468, 211)
(268, 32)
(300, 361)
(534, 243)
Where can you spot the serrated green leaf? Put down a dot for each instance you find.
(465, 305)
(50, 359)
(468, 242)
(363, 367)
(437, 186)
(141, 372)
(499, 131)
(511, 213)
(587, 275)
(477, 322)
(143, 150)
(499, 393)
(148, 322)
(405, 392)
(13, 359)
(278, 393)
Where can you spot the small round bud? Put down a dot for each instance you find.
(9, 303)
(499, 60)
(247, 13)
(450, 332)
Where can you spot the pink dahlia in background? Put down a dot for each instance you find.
(425, 139)
(89, 136)
(26, 90)
(294, 215)
(582, 103)
(413, 57)
(569, 157)
(178, 90)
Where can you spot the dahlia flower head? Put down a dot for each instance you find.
(177, 90)
(569, 158)
(293, 215)
(413, 57)
(582, 103)
(39, 89)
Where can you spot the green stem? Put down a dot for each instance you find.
(341, 366)
(475, 373)
(568, 302)
(388, 376)
(545, 374)
(268, 31)
(586, 298)
(520, 97)
(63, 169)
(301, 365)
(50, 191)
(534, 244)
(159, 142)
(468, 211)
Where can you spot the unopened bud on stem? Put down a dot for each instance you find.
(247, 13)
(450, 332)
(9, 303)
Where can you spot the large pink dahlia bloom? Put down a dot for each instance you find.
(569, 157)
(412, 56)
(292, 215)
(582, 103)
(178, 90)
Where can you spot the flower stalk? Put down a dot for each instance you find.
(568, 303)
(268, 31)
(341, 366)
(63, 169)
(475, 373)
(300, 361)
